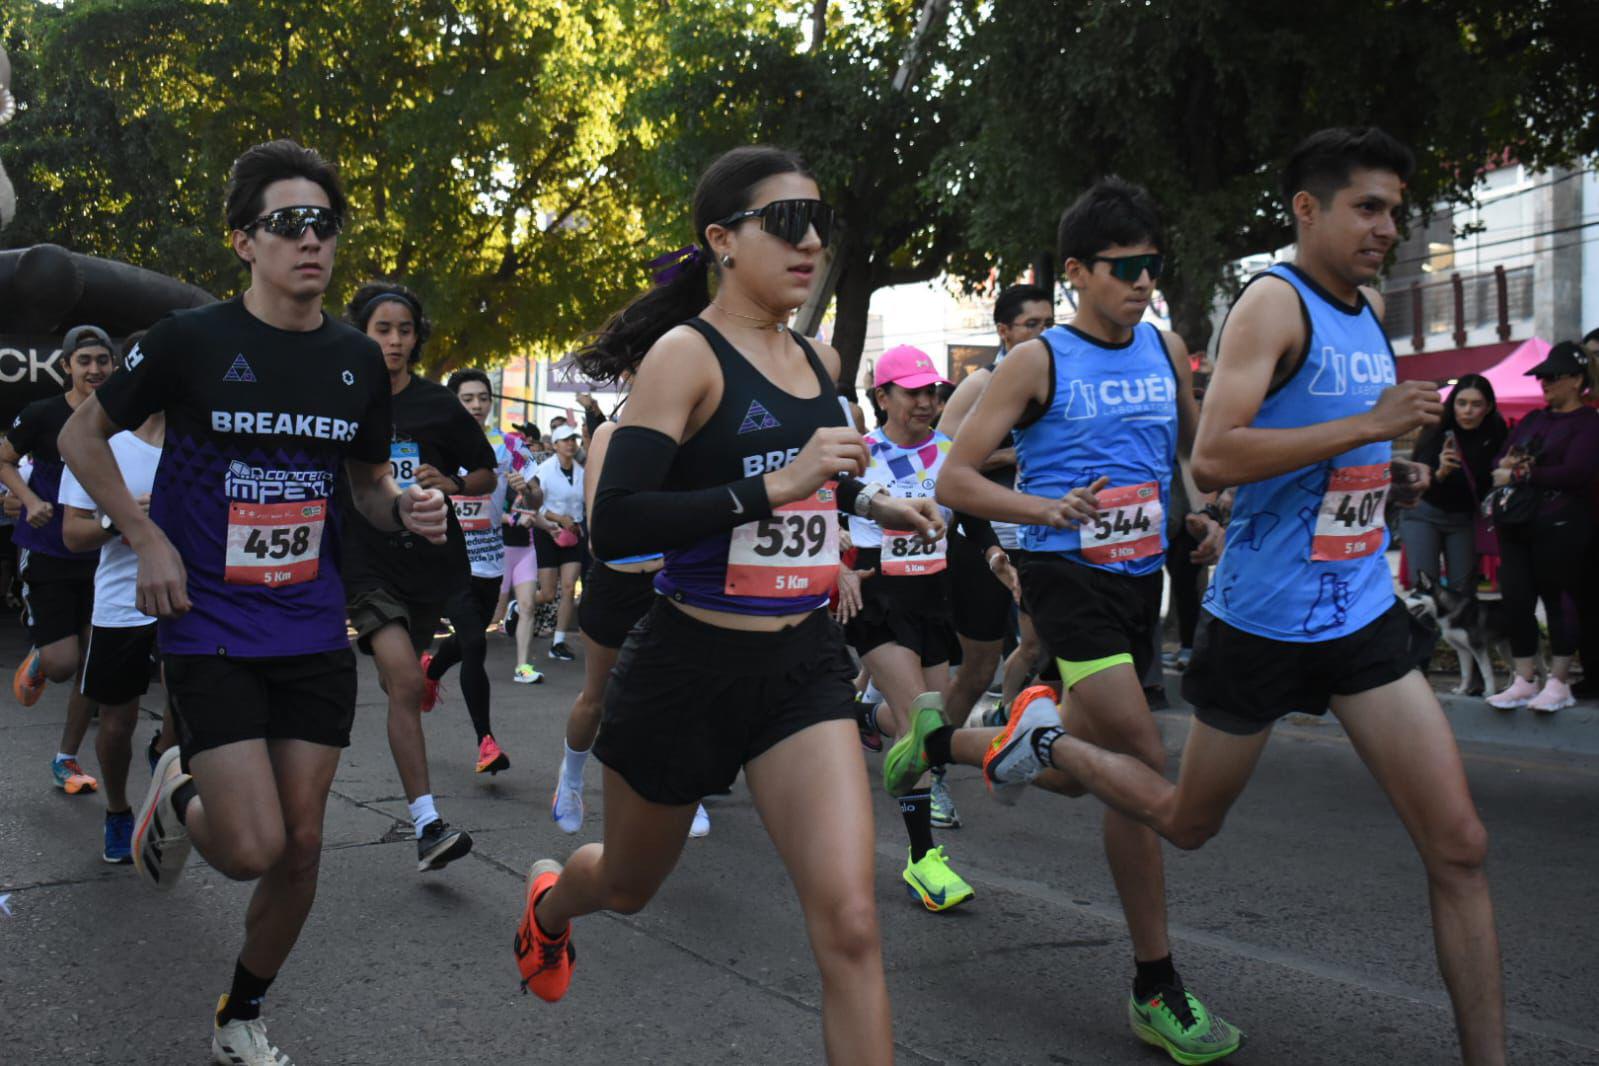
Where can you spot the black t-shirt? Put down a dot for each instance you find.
(259, 423)
(34, 433)
(429, 427)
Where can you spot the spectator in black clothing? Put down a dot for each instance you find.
(1588, 596)
(1460, 451)
(1554, 451)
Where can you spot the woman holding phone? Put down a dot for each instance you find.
(1460, 452)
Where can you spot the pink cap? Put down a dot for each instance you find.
(908, 367)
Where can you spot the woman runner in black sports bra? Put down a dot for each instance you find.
(729, 458)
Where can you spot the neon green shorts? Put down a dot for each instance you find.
(1071, 673)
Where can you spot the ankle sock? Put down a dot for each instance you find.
(572, 763)
(1043, 741)
(422, 813)
(62, 756)
(917, 810)
(1154, 975)
(244, 998)
(559, 637)
(936, 747)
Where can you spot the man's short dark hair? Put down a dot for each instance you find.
(1112, 212)
(1010, 301)
(461, 377)
(557, 422)
(275, 161)
(1591, 336)
(1322, 162)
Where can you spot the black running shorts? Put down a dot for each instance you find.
(613, 602)
(57, 596)
(375, 606)
(553, 557)
(1082, 613)
(690, 703)
(982, 603)
(116, 668)
(219, 700)
(1241, 683)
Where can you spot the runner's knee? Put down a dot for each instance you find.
(845, 929)
(1456, 848)
(251, 854)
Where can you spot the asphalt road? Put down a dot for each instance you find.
(1305, 922)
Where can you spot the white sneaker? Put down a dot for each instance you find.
(243, 1043)
(702, 823)
(527, 674)
(1556, 696)
(566, 807)
(1011, 762)
(1521, 690)
(160, 842)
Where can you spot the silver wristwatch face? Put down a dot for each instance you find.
(106, 523)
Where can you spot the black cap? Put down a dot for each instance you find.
(1564, 360)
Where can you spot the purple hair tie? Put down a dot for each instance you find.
(673, 265)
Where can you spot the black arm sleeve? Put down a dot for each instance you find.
(593, 418)
(634, 515)
(977, 530)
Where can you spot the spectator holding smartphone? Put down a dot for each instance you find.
(1460, 451)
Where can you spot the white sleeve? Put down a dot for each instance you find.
(72, 494)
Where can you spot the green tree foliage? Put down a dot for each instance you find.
(478, 140)
(1201, 101)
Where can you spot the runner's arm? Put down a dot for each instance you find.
(12, 478)
(1264, 329)
(1016, 381)
(81, 530)
(382, 503)
(961, 404)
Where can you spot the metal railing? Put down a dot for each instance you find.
(1458, 304)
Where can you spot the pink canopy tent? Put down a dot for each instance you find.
(1516, 392)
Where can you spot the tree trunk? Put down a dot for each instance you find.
(854, 304)
(1190, 313)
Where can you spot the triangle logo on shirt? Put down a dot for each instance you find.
(758, 418)
(239, 371)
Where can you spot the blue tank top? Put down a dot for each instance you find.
(1304, 557)
(1112, 413)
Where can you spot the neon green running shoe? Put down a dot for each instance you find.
(932, 883)
(1184, 1029)
(907, 761)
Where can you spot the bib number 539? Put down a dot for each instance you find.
(791, 554)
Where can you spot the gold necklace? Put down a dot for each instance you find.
(761, 323)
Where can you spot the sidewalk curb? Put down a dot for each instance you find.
(1573, 731)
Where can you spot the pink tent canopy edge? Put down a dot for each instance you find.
(1517, 393)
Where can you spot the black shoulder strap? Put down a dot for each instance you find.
(829, 386)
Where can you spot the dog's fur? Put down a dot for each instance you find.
(1473, 628)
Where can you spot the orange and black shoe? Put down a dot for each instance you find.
(490, 759)
(545, 961)
(27, 684)
(430, 687)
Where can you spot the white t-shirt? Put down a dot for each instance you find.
(560, 495)
(482, 516)
(115, 581)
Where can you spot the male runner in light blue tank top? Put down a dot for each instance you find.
(1102, 408)
(1302, 613)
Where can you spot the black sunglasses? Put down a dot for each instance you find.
(789, 220)
(1128, 267)
(292, 222)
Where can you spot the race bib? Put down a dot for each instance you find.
(1127, 527)
(274, 544)
(908, 555)
(793, 553)
(404, 457)
(474, 513)
(1349, 523)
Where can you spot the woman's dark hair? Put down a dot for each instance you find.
(461, 377)
(1111, 212)
(1321, 163)
(1011, 301)
(724, 189)
(274, 161)
(373, 294)
(1492, 422)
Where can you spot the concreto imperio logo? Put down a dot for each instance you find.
(280, 424)
(264, 484)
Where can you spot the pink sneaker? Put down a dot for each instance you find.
(430, 687)
(1556, 695)
(490, 759)
(1520, 691)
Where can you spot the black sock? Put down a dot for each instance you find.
(917, 809)
(185, 793)
(937, 745)
(109, 812)
(244, 998)
(866, 714)
(1043, 739)
(1153, 976)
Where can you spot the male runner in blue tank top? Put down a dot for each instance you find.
(1102, 408)
(1302, 613)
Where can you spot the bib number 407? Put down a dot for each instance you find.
(1349, 522)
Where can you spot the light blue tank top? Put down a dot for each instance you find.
(1112, 413)
(1304, 557)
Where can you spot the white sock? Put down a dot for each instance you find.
(62, 756)
(572, 764)
(422, 813)
(559, 638)
(872, 695)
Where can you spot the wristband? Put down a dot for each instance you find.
(1212, 512)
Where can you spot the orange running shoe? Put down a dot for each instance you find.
(490, 759)
(546, 962)
(70, 777)
(430, 687)
(27, 684)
